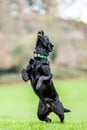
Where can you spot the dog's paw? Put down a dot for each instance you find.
(38, 86)
(24, 75)
(48, 120)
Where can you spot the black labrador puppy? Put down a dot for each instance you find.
(38, 72)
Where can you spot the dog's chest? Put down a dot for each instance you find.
(36, 70)
(37, 66)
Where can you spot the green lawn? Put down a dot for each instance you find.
(18, 106)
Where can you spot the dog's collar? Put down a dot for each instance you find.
(40, 56)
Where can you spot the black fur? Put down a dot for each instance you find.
(38, 72)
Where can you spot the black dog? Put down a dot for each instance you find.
(38, 72)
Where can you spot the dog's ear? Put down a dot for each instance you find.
(51, 47)
(46, 41)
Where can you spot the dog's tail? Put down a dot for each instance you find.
(66, 110)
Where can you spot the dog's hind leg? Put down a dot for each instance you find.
(43, 112)
(59, 110)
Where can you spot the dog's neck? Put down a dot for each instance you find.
(40, 56)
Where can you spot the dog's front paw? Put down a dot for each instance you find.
(24, 75)
(38, 86)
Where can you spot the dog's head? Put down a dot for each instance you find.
(43, 44)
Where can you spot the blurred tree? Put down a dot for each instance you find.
(37, 4)
(4, 14)
(50, 5)
(47, 5)
(30, 2)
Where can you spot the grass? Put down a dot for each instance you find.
(26, 125)
(18, 106)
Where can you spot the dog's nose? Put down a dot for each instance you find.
(41, 32)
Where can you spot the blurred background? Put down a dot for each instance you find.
(64, 21)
